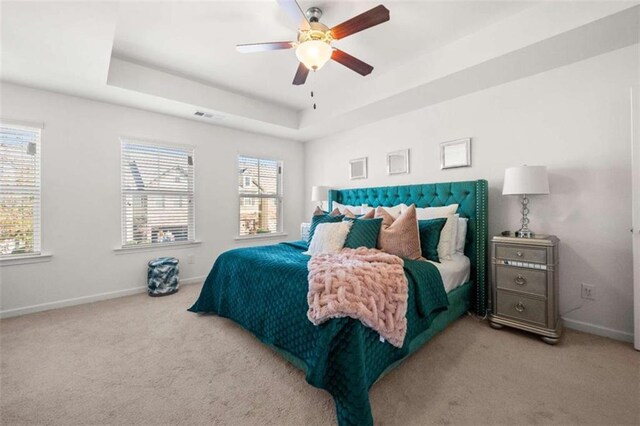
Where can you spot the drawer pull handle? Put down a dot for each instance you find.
(519, 307)
(519, 253)
(520, 280)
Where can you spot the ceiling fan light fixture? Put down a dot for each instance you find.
(314, 53)
(313, 47)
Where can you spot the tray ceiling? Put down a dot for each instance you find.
(197, 40)
(178, 57)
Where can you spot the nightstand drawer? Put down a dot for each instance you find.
(520, 279)
(522, 308)
(525, 254)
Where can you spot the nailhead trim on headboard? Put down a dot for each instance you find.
(472, 197)
(482, 207)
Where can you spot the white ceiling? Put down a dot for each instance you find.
(179, 57)
(197, 40)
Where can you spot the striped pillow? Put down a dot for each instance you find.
(364, 233)
(430, 236)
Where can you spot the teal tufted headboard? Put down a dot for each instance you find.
(472, 197)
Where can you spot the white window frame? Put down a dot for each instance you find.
(37, 254)
(191, 226)
(279, 197)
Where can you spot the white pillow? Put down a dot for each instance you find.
(344, 207)
(447, 238)
(395, 211)
(435, 212)
(365, 210)
(454, 235)
(329, 237)
(461, 238)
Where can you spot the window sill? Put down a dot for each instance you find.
(155, 247)
(261, 236)
(24, 259)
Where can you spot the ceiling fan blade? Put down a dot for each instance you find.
(368, 19)
(301, 75)
(352, 63)
(264, 47)
(295, 13)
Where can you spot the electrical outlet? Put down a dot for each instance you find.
(588, 292)
(191, 259)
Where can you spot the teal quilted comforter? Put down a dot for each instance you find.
(264, 289)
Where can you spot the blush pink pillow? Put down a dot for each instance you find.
(400, 236)
(369, 215)
(348, 213)
(319, 212)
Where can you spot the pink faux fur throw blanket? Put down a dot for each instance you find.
(365, 284)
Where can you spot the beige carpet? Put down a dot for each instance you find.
(139, 360)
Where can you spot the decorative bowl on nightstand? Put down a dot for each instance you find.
(524, 284)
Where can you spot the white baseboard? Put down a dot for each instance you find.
(598, 330)
(569, 323)
(87, 299)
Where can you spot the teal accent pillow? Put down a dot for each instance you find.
(322, 218)
(363, 233)
(430, 237)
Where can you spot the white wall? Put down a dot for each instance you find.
(575, 120)
(81, 196)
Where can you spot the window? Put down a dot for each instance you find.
(246, 181)
(157, 194)
(260, 189)
(19, 190)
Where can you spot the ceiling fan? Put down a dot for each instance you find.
(313, 47)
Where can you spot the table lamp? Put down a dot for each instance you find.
(319, 194)
(525, 180)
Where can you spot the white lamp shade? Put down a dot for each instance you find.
(526, 180)
(319, 193)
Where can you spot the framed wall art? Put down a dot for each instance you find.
(358, 168)
(455, 153)
(398, 162)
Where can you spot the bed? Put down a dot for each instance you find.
(264, 289)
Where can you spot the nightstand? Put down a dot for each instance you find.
(304, 230)
(524, 284)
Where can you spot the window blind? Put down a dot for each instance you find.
(157, 194)
(19, 190)
(260, 195)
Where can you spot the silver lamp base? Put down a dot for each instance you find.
(524, 232)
